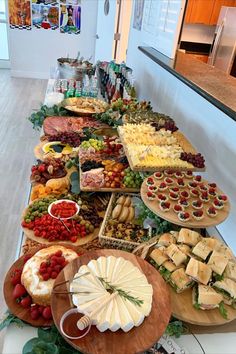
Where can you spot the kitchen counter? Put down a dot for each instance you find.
(211, 83)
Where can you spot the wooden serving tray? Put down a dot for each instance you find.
(183, 142)
(82, 241)
(18, 310)
(183, 309)
(172, 217)
(41, 155)
(118, 190)
(136, 340)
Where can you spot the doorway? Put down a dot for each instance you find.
(4, 52)
(113, 25)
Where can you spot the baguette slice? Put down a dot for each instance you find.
(199, 271)
(228, 288)
(218, 262)
(176, 255)
(201, 250)
(230, 270)
(206, 298)
(158, 256)
(184, 248)
(212, 243)
(189, 237)
(180, 281)
(166, 239)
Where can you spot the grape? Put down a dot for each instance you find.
(132, 179)
(70, 138)
(196, 160)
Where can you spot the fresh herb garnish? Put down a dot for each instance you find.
(223, 310)
(108, 286)
(8, 319)
(48, 341)
(218, 277)
(175, 328)
(196, 306)
(37, 118)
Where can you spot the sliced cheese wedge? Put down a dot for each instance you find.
(111, 261)
(134, 311)
(126, 321)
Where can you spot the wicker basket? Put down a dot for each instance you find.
(110, 242)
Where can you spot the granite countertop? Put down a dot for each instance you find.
(210, 79)
(213, 84)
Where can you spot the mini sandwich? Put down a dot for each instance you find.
(230, 271)
(184, 248)
(199, 271)
(218, 262)
(201, 250)
(212, 243)
(167, 268)
(158, 256)
(226, 251)
(227, 288)
(176, 255)
(166, 239)
(180, 281)
(205, 297)
(175, 234)
(189, 237)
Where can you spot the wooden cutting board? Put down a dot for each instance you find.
(81, 241)
(182, 308)
(16, 309)
(172, 217)
(136, 340)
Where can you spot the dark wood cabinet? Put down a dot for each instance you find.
(205, 11)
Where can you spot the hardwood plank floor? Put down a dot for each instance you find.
(18, 98)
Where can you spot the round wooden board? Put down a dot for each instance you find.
(82, 241)
(40, 155)
(66, 103)
(17, 310)
(183, 309)
(136, 340)
(172, 217)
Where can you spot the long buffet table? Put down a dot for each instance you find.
(214, 340)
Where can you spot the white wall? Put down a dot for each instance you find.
(211, 131)
(33, 53)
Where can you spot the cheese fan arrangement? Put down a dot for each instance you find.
(118, 295)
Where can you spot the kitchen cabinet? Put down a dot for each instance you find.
(217, 7)
(205, 11)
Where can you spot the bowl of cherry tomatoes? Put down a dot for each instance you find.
(63, 209)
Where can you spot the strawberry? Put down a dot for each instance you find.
(58, 253)
(35, 314)
(42, 168)
(19, 290)
(16, 276)
(26, 301)
(47, 313)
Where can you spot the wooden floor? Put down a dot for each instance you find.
(18, 97)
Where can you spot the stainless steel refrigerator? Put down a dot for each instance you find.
(223, 50)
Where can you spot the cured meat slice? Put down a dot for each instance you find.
(57, 124)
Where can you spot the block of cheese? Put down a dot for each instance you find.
(110, 309)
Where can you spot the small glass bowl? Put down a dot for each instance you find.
(63, 318)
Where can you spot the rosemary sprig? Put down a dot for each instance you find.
(108, 286)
